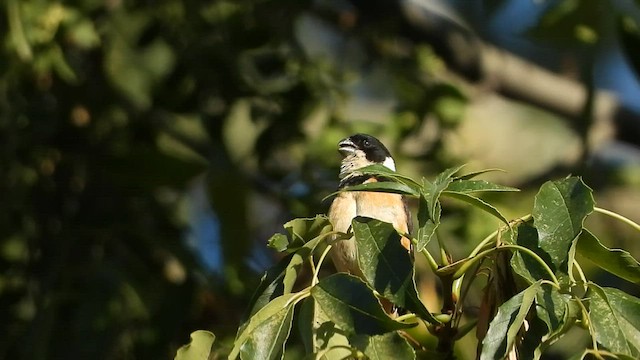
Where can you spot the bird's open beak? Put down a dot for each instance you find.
(346, 147)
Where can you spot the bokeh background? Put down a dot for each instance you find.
(149, 148)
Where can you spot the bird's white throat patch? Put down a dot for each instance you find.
(389, 163)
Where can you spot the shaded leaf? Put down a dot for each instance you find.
(351, 305)
(386, 346)
(270, 287)
(615, 319)
(320, 335)
(505, 326)
(524, 265)
(297, 260)
(433, 191)
(615, 261)
(477, 202)
(199, 348)
(264, 336)
(386, 264)
(559, 211)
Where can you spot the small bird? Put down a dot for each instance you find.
(359, 151)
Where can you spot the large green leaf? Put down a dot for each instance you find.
(320, 335)
(386, 264)
(523, 264)
(297, 260)
(559, 211)
(472, 186)
(265, 334)
(615, 319)
(505, 326)
(615, 261)
(382, 347)
(199, 348)
(351, 305)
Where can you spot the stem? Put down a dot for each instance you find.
(618, 216)
(408, 316)
(320, 261)
(486, 240)
(485, 253)
(444, 254)
(432, 262)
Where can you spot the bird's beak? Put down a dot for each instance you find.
(346, 147)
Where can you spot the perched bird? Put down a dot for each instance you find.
(358, 151)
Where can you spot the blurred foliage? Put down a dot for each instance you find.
(111, 110)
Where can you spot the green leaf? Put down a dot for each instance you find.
(615, 319)
(505, 326)
(351, 305)
(386, 265)
(381, 170)
(559, 210)
(383, 186)
(382, 347)
(199, 348)
(300, 231)
(270, 287)
(471, 175)
(471, 186)
(426, 225)
(297, 260)
(615, 261)
(265, 334)
(477, 202)
(524, 265)
(558, 311)
(433, 191)
(320, 335)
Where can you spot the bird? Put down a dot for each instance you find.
(359, 151)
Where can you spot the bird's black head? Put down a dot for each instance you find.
(361, 150)
(373, 149)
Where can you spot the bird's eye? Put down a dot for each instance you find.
(366, 143)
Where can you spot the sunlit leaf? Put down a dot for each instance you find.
(476, 202)
(559, 211)
(199, 348)
(473, 174)
(351, 305)
(386, 264)
(300, 231)
(426, 225)
(615, 318)
(505, 326)
(472, 186)
(615, 261)
(384, 186)
(381, 170)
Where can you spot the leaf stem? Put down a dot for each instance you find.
(320, 261)
(485, 253)
(618, 216)
(427, 255)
